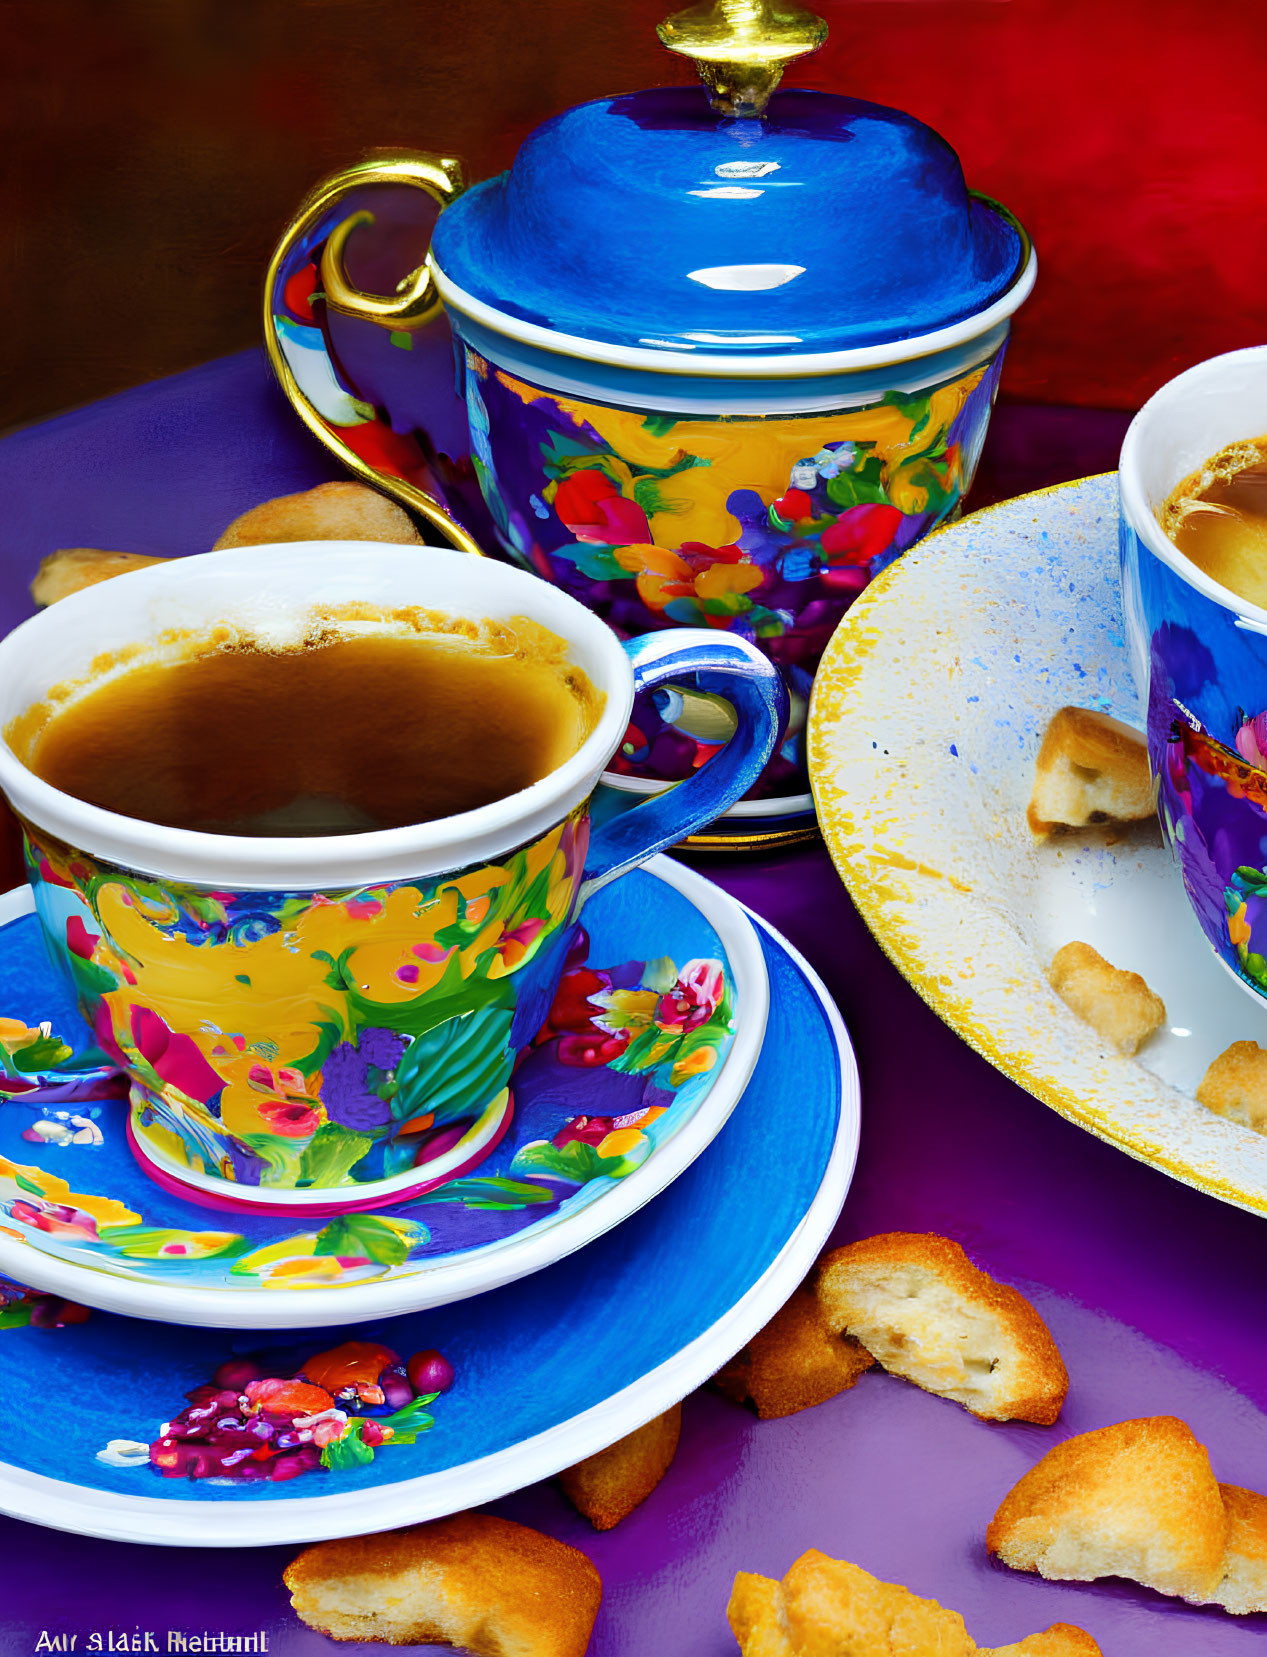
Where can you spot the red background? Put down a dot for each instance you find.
(152, 150)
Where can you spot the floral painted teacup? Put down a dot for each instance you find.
(320, 1023)
(1199, 653)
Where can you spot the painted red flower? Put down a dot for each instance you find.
(794, 507)
(573, 1009)
(289, 1117)
(861, 533)
(177, 1059)
(593, 509)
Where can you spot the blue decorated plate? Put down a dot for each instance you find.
(595, 1136)
(547, 1371)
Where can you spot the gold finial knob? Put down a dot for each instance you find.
(741, 47)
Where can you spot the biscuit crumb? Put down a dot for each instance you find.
(1137, 1500)
(798, 1360)
(1091, 769)
(1118, 1005)
(71, 569)
(826, 1605)
(1235, 1085)
(607, 1486)
(330, 512)
(925, 1312)
(492, 1587)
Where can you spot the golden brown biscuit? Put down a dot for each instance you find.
(330, 512)
(829, 1608)
(1244, 1585)
(607, 1486)
(1090, 769)
(1119, 1006)
(494, 1588)
(70, 569)
(796, 1361)
(1136, 1499)
(1235, 1085)
(924, 1311)
(1060, 1640)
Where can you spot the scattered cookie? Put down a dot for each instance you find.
(608, 1486)
(1137, 1500)
(796, 1361)
(1091, 768)
(1235, 1085)
(70, 569)
(494, 1588)
(330, 512)
(1244, 1585)
(924, 1311)
(827, 1606)
(1060, 1640)
(1118, 1005)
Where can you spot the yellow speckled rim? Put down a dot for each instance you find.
(841, 694)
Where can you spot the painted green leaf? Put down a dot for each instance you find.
(45, 1053)
(148, 1243)
(660, 425)
(349, 1451)
(16, 1316)
(493, 1192)
(366, 1236)
(854, 489)
(455, 1069)
(330, 1154)
(575, 1161)
(406, 1424)
(598, 562)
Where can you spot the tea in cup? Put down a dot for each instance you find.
(309, 831)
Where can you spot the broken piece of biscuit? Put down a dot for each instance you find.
(1137, 1500)
(1235, 1085)
(1118, 1005)
(494, 1588)
(330, 512)
(925, 1312)
(71, 569)
(826, 1605)
(798, 1360)
(607, 1486)
(1090, 769)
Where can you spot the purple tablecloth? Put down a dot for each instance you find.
(1154, 1291)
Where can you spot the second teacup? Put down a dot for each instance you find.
(1199, 654)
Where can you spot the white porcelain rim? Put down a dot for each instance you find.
(706, 364)
(460, 1276)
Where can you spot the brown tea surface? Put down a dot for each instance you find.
(1217, 517)
(337, 733)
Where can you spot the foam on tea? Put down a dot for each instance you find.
(349, 721)
(1217, 517)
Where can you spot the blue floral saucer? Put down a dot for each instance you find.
(648, 1047)
(199, 1436)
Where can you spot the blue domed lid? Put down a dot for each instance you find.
(650, 222)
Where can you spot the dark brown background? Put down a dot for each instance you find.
(152, 150)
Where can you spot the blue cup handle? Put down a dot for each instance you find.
(726, 666)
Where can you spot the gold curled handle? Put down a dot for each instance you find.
(740, 48)
(416, 300)
(416, 303)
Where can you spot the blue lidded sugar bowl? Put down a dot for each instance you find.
(726, 352)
